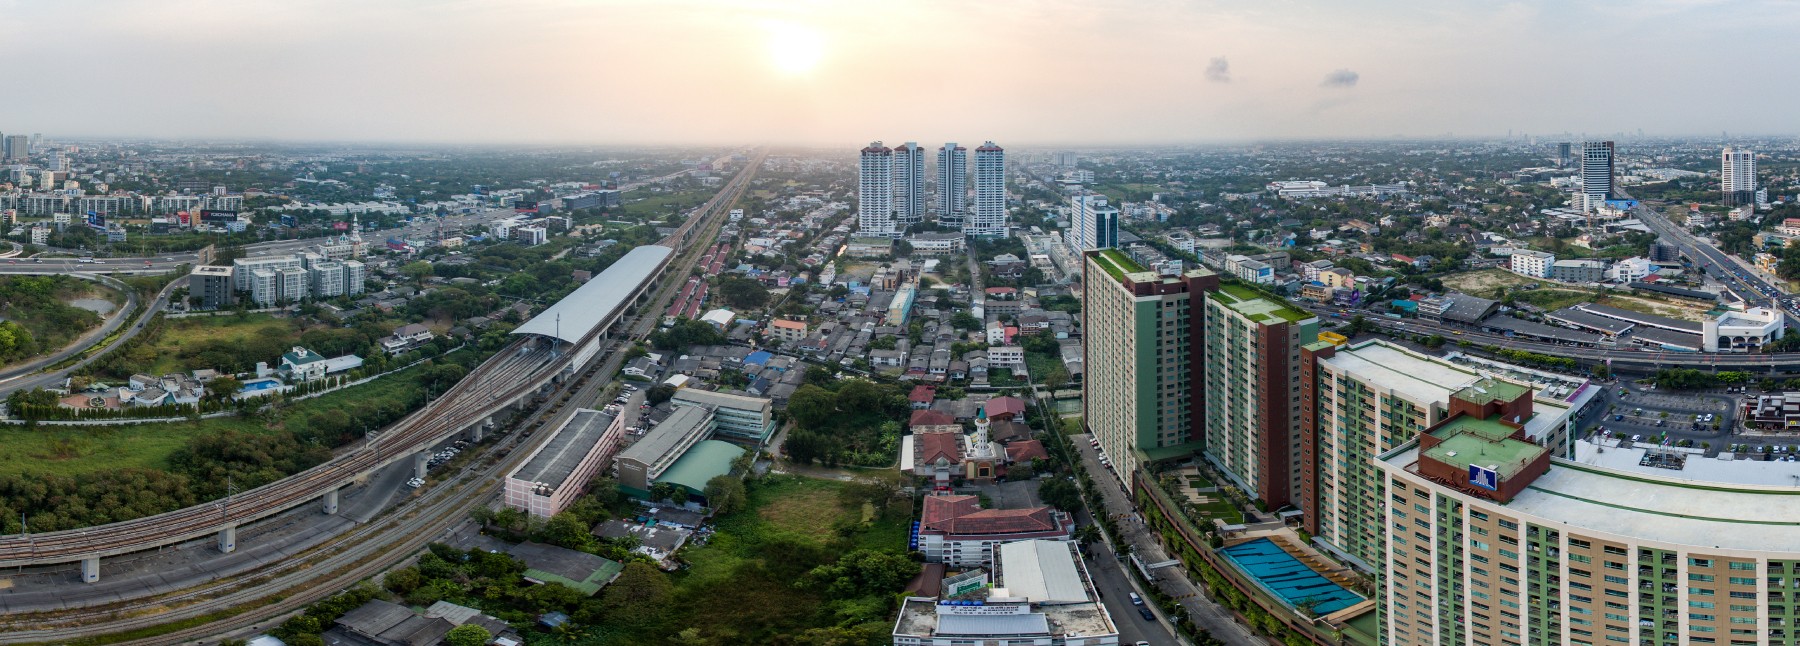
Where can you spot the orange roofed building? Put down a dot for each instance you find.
(956, 531)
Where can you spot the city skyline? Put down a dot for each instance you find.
(557, 71)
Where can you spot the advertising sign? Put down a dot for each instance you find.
(1484, 477)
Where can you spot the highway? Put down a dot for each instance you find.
(1740, 280)
(370, 548)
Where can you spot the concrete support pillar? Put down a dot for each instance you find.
(331, 500)
(228, 539)
(90, 569)
(419, 461)
(476, 432)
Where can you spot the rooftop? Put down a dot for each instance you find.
(1469, 440)
(573, 441)
(1419, 377)
(707, 460)
(599, 299)
(1488, 389)
(1041, 571)
(1117, 264)
(671, 433)
(1257, 306)
(924, 617)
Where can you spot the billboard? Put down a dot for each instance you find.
(290, 222)
(210, 215)
(1484, 477)
(340, 226)
(184, 217)
(96, 220)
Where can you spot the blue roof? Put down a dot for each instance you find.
(759, 357)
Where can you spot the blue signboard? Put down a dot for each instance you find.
(1484, 477)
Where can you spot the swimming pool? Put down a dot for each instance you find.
(1289, 579)
(258, 385)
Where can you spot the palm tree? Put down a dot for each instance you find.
(569, 633)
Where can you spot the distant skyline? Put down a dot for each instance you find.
(822, 73)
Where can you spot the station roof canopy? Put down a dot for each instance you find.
(599, 299)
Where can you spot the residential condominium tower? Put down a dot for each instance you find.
(988, 218)
(1143, 357)
(1737, 176)
(1252, 390)
(952, 184)
(1093, 224)
(1494, 540)
(875, 192)
(1360, 401)
(909, 184)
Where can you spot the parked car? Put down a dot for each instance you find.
(1149, 616)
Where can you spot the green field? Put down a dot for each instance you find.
(1551, 299)
(186, 344)
(658, 205)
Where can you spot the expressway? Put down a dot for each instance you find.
(512, 378)
(1741, 281)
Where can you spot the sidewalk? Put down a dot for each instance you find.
(1173, 581)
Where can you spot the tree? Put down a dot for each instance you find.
(659, 393)
(640, 587)
(725, 493)
(662, 491)
(743, 293)
(1060, 493)
(864, 572)
(467, 635)
(812, 406)
(566, 530)
(1087, 534)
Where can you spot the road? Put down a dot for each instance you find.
(1741, 280)
(1210, 616)
(21, 377)
(423, 526)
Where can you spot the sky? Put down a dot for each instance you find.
(844, 72)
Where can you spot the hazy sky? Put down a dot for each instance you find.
(843, 72)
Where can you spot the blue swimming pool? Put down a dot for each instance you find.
(1288, 578)
(255, 385)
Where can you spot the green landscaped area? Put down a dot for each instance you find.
(1551, 299)
(40, 315)
(186, 344)
(756, 580)
(1117, 264)
(658, 205)
(1258, 306)
(74, 450)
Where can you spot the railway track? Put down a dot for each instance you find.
(270, 592)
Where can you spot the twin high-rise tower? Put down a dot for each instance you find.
(891, 189)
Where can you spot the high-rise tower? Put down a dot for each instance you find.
(952, 184)
(1596, 173)
(988, 218)
(909, 184)
(1737, 175)
(875, 192)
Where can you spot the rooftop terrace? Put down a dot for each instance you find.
(1258, 306)
(1467, 440)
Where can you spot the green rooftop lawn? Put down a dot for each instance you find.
(1259, 306)
(1117, 264)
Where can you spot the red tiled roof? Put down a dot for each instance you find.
(929, 418)
(1026, 451)
(999, 406)
(922, 394)
(964, 515)
(931, 446)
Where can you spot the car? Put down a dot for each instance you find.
(1637, 437)
(1142, 643)
(1135, 599)
(1148, 616)
(1618, 418)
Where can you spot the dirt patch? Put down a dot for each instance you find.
(1482, 283)
(1660, 308)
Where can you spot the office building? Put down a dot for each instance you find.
(1737, 176)
(909, 184)
(988, 218)
(1093, 224)
(1252, 390)
(1596, 173)
(955, 530)
(952, 184)
(1142, 355)
(213, 286)
(559, 470)
(1038, 594)
(875, 192)
(1564, 151)
(1743, 331)
(735, 417)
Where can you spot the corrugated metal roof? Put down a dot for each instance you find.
(1042, 571)
(996, 625)
(598, 299)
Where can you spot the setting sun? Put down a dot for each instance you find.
(794, 49)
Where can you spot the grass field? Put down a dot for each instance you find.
(66, 450)
(164, 354)
(658, 205)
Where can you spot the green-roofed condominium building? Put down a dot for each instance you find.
(1252, 390)
(1142, 356)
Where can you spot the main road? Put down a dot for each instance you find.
(1740, 280)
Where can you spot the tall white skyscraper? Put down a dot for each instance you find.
(953, 184)
(1737, 175)
(989, 215)
(1093, 224)
(909, 184)
(1596, 173)
(875, 192)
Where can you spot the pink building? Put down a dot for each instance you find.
(559, 471)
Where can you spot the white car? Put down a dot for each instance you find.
(415, 483)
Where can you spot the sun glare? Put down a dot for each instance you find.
(793, 49)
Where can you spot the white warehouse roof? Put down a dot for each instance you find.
(599, 299)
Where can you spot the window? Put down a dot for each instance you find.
(1704, 605)
(1743, 580)
(1741, 565)
(1701, 592)
(1694, 562)
(1707, 578)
